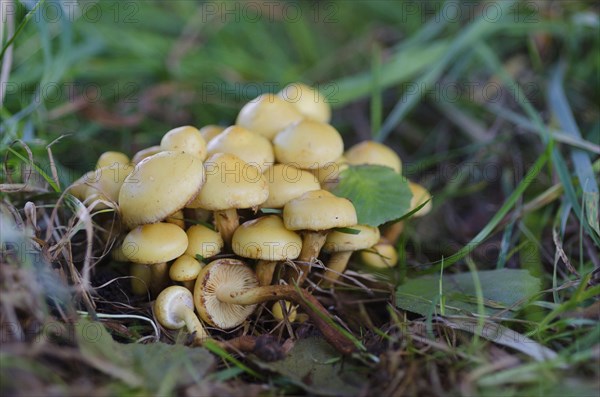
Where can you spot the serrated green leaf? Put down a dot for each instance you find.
(502, 288)
(378, 193)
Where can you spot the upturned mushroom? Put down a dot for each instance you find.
(231, 184)
(308, 101)
(227, 292)
(159, 186)
(185, 139)
(308, 144)
(267, 115)
(174, 309)
(249, 146)
(315, 213)
(267, 240)
(341, 245)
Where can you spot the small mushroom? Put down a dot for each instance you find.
(382, 255)
(185, 270)
(287, 182)
(308, 144)
(290, 311)
(308, 101)
(315, 213)
(155, 244)
(341, 245)
(267, 115)
(203, 241)
(210, 131)
(174, 309)
(108, 159)
(227, 292)
(145, 153)
(231, 183)
(371, 152)
(185, 139)
(249, 146)
(420, 195)
(159, 186)
(105, 187)
(267, 240)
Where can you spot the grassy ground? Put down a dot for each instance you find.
(492, 106)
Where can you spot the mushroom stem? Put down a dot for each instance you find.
(392, 233)
(189, 284)
(159, 277)
(312, 242)
(226, 221)
(309, 303)
(192, 323)
(336, 266)
(141, 277)
(264, 272)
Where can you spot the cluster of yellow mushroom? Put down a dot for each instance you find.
(264, 183)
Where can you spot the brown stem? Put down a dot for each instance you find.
(336, 266)
(226, 221)
(312, 242)
(264, 272)
(300, 296)
(264, 346)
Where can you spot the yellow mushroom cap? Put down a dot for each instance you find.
(154, 243)
(266, 238)
(230, 275)
(249, 146)
(167, 304)
(287, 182)
(278, 313)
(210, 131)
(107, 183)
(107, 159)
(185, 268)
(419, 196)
(185, 139)
(382, 255)
(230, 183)
(307, 101)
(338, 241)
(328, 174)
(371, 152)
(318, 210)
(145, 153)
(159, 186)
(267, 115)
(308, 144)
(80, 186)
(203, 241)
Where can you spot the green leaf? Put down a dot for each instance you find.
(158, 368)
(502, 288)
(315, 366)
(378, 193)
